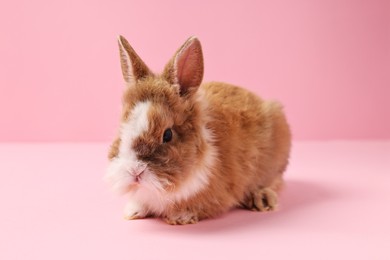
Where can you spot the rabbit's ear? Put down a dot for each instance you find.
(133, 68)
(186, 67)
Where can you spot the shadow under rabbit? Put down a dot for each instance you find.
(296, 195)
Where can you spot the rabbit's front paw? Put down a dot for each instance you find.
(133, 211)
(182, 219)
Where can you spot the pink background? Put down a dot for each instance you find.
(327, 61)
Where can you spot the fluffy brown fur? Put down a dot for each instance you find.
(250, 137)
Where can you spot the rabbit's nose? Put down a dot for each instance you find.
(136, 173)
(137, 170)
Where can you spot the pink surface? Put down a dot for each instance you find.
(54, 205)
(327, 61)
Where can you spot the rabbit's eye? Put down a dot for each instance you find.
(167, 136)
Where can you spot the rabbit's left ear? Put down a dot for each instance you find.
(185, 69)
(133, 68)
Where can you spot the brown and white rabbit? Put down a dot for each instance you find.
(187, 151)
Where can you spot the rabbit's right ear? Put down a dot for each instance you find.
(133, 68)
(185, 69)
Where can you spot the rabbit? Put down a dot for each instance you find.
(187, 151)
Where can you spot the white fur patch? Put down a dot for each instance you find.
(119, 170)
(136, 125)
(117, 176)
(133, 210)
